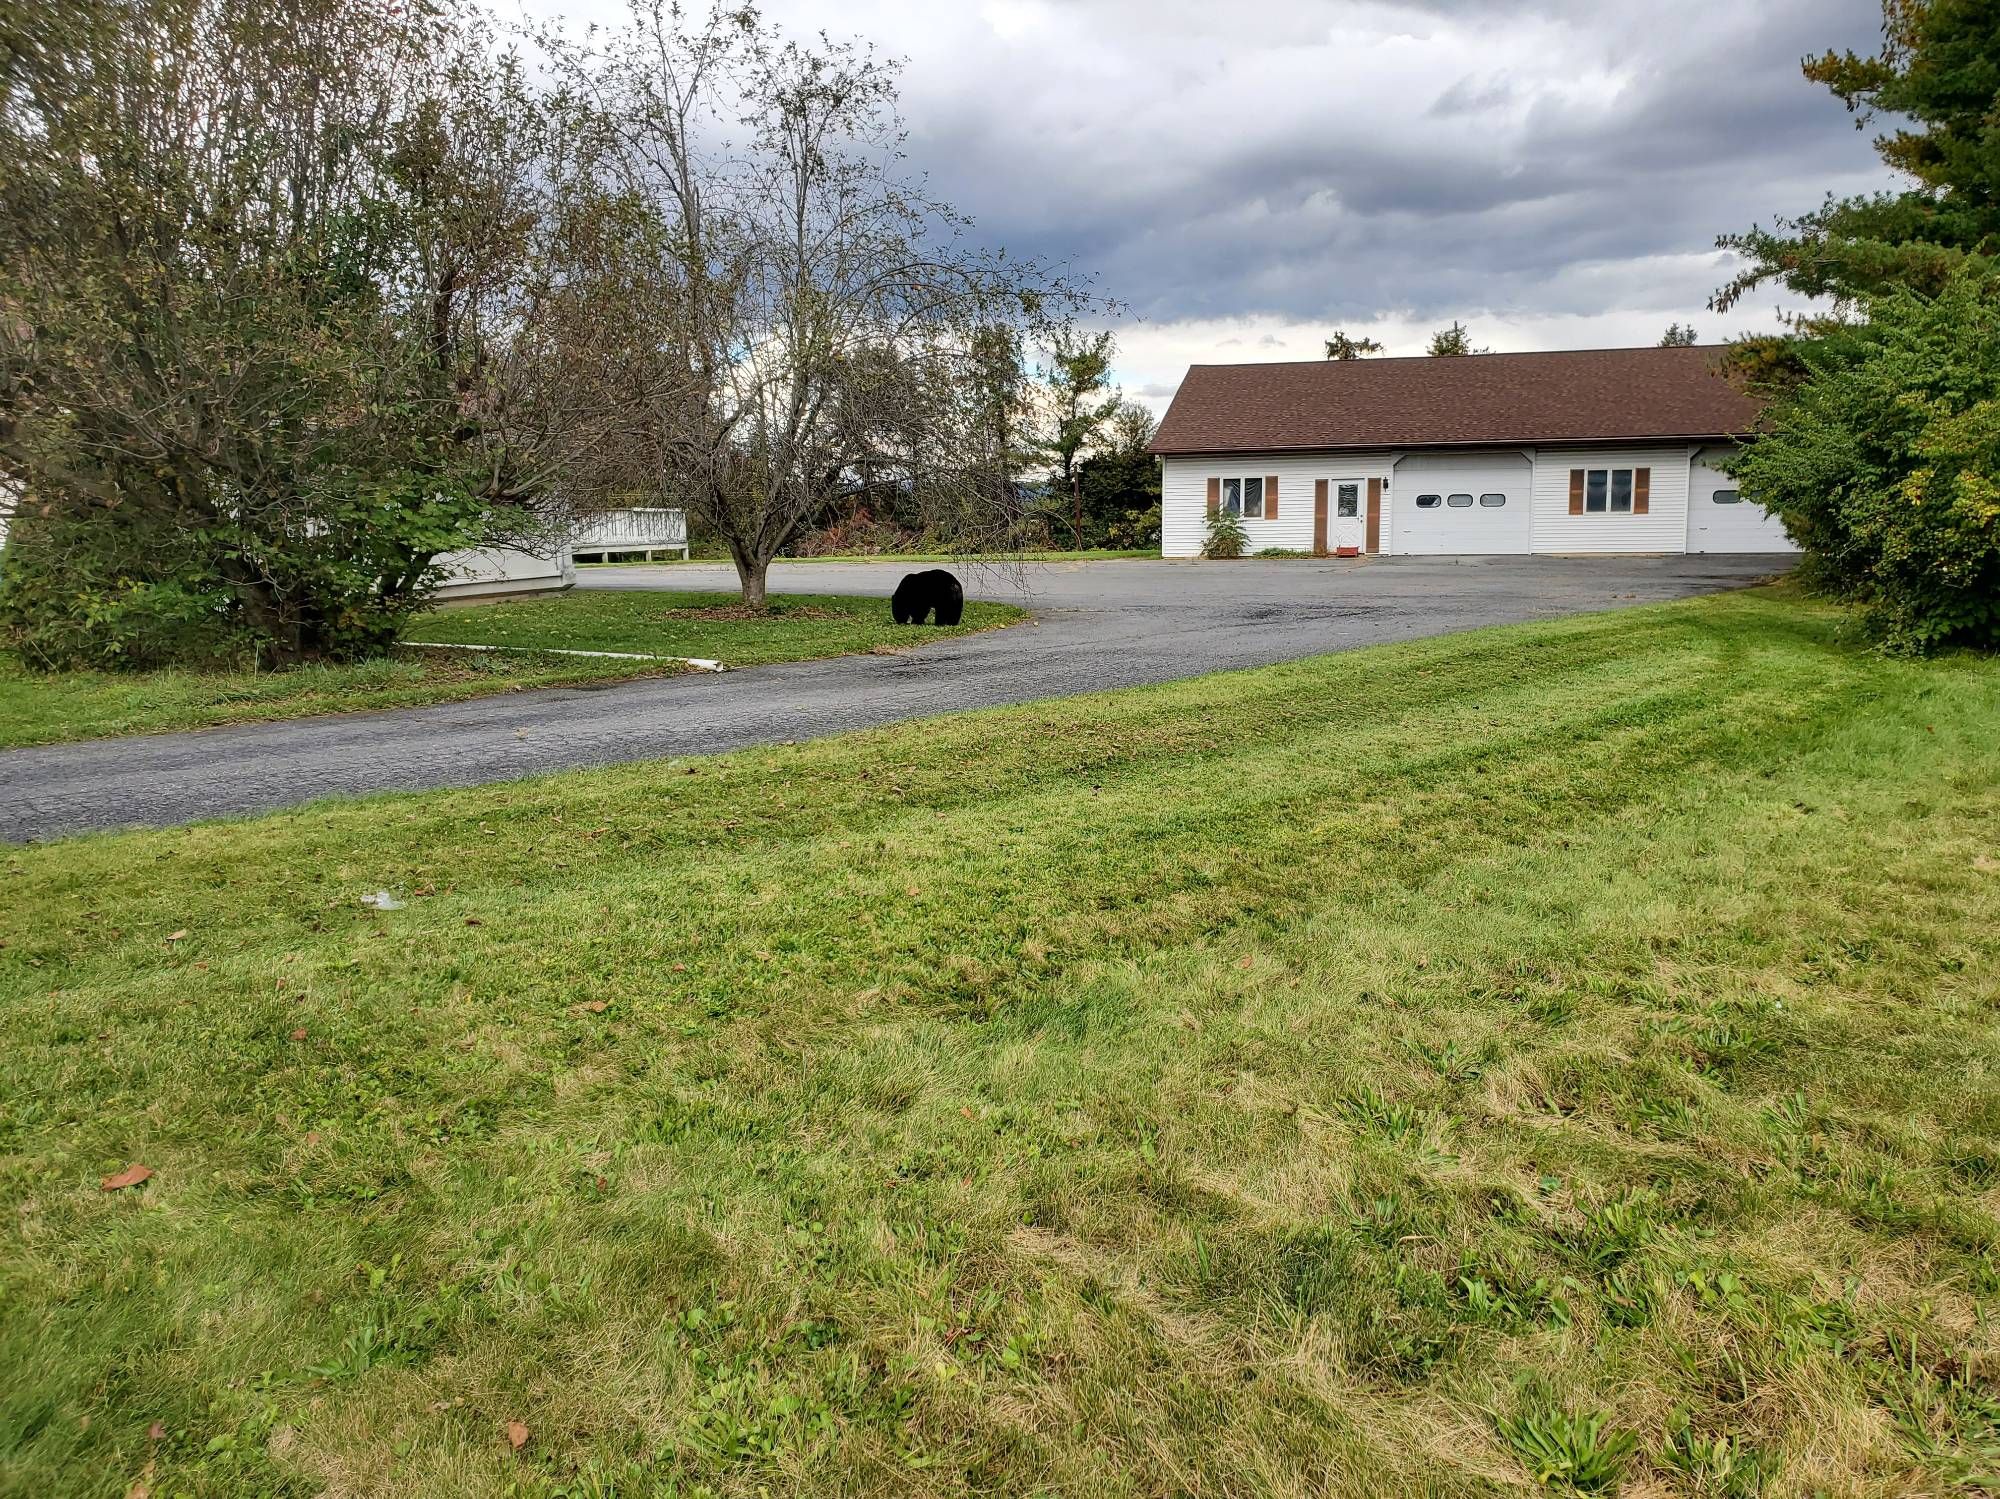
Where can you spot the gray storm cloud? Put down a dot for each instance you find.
(1338, 160)
(1360, 161)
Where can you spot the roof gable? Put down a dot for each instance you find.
(1580, 395)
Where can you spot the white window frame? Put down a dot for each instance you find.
(1242, 482)
(1611, 473)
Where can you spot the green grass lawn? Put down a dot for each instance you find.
(43, 708)
(1560, 1050)
(799, 627)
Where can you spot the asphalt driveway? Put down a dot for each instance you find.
(1098, 625)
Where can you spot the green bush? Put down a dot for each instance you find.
(1884, 464)
(79, 592)
(138, 586)
(1135, 530)
(1226, 536)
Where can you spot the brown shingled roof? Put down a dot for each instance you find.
(1578, 395)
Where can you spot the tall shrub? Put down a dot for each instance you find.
(260, 268)
(1884, 464)
(1225, 537)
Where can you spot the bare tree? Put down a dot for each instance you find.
(816, 325)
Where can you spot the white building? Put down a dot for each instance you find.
(1588, 450)
(492, 572)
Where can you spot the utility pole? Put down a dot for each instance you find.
(1076, 510)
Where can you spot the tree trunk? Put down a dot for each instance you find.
(750, 572)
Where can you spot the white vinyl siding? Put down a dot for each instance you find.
(1663, 528)
(1184, 497)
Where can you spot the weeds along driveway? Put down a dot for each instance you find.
(1098, 625)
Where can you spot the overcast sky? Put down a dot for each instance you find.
(1248, 175)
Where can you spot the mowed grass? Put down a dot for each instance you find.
(709, 626)
(47, 708)
(1564, 1051)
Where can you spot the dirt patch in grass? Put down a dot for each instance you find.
(739, 613)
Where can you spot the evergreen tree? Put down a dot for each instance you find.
(1939, 71)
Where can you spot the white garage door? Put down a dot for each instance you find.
(1721, 520)
(1465, 503)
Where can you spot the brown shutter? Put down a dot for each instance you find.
(1374, 515)
(1575, 491)
(1214, 498)
(1319, 517)
(1270, 497)
(1642, 489)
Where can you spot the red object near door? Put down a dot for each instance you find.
(1348, 552)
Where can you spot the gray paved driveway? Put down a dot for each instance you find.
(1099, 625)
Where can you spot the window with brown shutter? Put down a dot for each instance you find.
(1247, 496)
(1609, 491)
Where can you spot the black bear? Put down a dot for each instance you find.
(935, 592)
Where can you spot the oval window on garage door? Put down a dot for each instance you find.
(1459, 501)
(1427, 502)
(1492, 501)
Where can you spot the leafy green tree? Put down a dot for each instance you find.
(1678, 336)
(1120, 483)
(256, 265)
(1455, 340)
(1081, 397)
(1342, 346)
(1938, 75)
(1884, 463)
(1880, 448)
(1003, 403)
